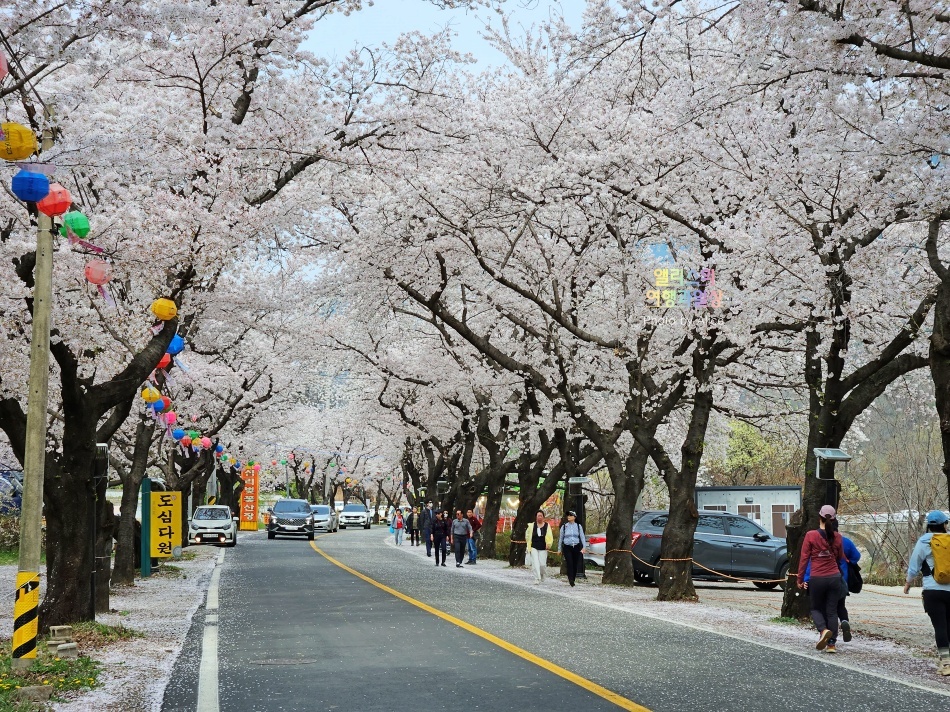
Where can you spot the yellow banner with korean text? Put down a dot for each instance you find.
(249, 500)
(166, 524)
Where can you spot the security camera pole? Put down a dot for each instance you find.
(27, 602)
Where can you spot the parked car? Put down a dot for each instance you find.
(354, 515)
(212, 524)
(325, 518)
(724, 543)
(290, 517)
(597, 544)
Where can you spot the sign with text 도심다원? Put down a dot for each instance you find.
(166, 524)
(249, 500)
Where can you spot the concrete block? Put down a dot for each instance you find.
(69, 651)
(61, 631)
(35, 693)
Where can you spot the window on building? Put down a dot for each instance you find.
(716, 507)
(780, 515)
(751, 511)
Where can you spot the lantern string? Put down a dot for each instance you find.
(104, 293)
(74, 240)
(180, 364)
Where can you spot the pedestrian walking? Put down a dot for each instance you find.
(426, 518)
(572, 544)
(933, 561)
(539, 538)
(412, 526)
(851, 557)
(439, 536)
(461, 531)
(823, 549)
(476, 523)
(399, 526)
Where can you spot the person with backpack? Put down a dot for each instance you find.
(823, 550)
(931, 557)
(572, 543)
(851, 556)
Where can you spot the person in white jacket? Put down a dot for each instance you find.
(538, 538)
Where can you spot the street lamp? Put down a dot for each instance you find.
(831, 454)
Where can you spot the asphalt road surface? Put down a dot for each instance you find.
(296, 632)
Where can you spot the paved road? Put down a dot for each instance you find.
(299, 633)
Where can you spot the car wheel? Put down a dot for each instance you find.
(655, 576)
(310, 536)
(366, 526)
(642, 578)
(342, 526)
(271, 535)
(765, 586)
(233, 543)
(783, 574)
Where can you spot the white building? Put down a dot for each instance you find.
(770, 507)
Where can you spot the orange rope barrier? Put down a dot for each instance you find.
(712, 571)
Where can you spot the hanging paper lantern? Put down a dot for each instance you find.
(219, 448)
(159, 405)
(283, 462)
(57, 202)
(166, 402)
(164, 362)
(194, 434)
(30, 187)
(98, 272)
(175, 347)
(186, 441)
(18, 142)
(4, 67)
(290, 456)
(171, 417)
(76, 222)
(178, 433)
(237, 465)
(150, 395)
(273, 462)
(206, 443)
(224, 458)
(164, 309)
(250, 462)
(257, 468)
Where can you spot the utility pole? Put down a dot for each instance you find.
(27, 602)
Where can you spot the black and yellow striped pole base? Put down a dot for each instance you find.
(26, 617)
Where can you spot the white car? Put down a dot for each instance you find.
(212, 524)
(325, 518)
(354, 515)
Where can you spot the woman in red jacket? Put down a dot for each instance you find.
(823, 547)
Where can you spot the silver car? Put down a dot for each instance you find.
(212, 524)
(324, 518)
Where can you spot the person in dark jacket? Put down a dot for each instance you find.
(473, 540)
(440, 537)
(461, 532)
(426, 518)
(824, 550)
(412, 526)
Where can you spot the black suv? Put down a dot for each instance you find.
(724, 543)
(291, 517)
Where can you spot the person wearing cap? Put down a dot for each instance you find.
(823, 549)
(426, 518)
(936, 596)
(571, 544)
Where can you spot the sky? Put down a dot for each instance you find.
(386, 20)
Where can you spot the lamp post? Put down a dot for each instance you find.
(27, 596)
(832, 487)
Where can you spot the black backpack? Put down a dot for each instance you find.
(855, 582)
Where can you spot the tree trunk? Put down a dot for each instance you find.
(486, 539)
(627, 482)
(123, 573)
(107, 530)
(940, 367)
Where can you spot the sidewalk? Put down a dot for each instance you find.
(135, 672)
(893, 636)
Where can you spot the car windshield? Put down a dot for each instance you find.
(321, 509)
(288, 506)
(354, 508)
(212, 514)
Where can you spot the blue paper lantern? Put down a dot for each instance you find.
(237, 465)
(30, 187)
(176, 346)
(219, 448)
(178, 433)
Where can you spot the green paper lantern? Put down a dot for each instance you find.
(224, 458)
(251, 463)
(75, 221)
(194, 434)
(283, 462)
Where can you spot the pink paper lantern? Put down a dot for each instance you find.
(290, 456)
(257, 468)
(206, 443)
(98, 272)
(4, 67)
(171, 417)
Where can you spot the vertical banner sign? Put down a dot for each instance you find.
(166, 524)
(249, 500)
(25, 614)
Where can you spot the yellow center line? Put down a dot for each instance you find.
(619, 700)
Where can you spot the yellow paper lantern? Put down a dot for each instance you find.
(18, 143)
(150, 395)
(164, 309)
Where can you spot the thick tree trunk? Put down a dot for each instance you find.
(69, 558)
(126, 551)
(940, 368)
(627, 482)
(486, 535)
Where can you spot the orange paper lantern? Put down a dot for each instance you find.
(57, 202)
